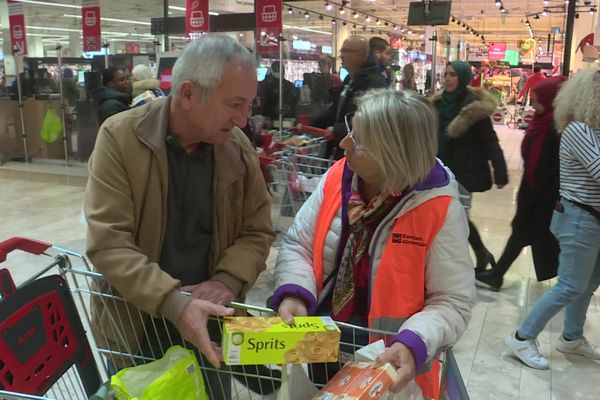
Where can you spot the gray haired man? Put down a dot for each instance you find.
(176, 201)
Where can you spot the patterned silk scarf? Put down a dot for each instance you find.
(363, 219)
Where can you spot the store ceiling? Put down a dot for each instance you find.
(55, 21)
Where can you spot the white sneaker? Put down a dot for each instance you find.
(527, 351)
(580, 347)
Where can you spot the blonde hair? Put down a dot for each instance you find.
(399, 129)
(579, 100)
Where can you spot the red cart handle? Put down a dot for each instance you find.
(24, 244)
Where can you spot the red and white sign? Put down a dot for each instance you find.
(16, 20)
(497, 51)
(196, 18)
(498, 117)
(269, 24)
(91, 25)
(132, 48)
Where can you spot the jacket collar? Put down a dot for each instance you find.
(482, 105)
(152, 128)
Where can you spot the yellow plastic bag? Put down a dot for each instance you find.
(52, 127)
(176, 376)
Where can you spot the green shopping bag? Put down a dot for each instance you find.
(176, 375)
(51, 127)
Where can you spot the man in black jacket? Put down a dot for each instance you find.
(362, 76)
(115, 94)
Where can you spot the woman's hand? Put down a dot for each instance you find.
(290, 307)
(402, 360)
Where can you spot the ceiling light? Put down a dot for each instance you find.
(354, 15)
(306, 15)
(126, 21)
(301, 28)
(332, 21)
(378, 22)
(295, 37)
(45, 3)
(183, 9)
(592, 11)
(395, 27)
(342, 11)
(290, 11)
(498, 3)
(368, 19)
(545, 13)
(328, 6)
(321, 17)
(546, 2)
(410, 32)
(502, 9)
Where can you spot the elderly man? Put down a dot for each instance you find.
(176, 201)
(362, 76)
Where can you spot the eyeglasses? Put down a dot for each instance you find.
(348, 117)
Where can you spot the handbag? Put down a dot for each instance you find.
(52, 127)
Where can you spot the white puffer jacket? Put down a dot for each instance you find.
(449, 281)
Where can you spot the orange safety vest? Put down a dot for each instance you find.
(398, 287)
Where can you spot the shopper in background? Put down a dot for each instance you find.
(575, 223)
(467, 142)
(408, 77)
(419, 282)
(269, 94)
(379, 51)
(532, 81)
(114, 96)
(476, 81)
(537, 194)
(362, 76)
(176, 201)
(142, 79)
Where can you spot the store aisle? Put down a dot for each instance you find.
(48, 207)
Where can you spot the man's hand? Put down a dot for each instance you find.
(290, 307)
(213, 291)
(192, 326)
(402, 359)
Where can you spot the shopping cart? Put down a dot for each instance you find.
(78, 288)
(44, 351)
(294, 163)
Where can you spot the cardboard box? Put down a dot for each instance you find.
(268, 340)
(359, 381)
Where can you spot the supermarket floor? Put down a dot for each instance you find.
(44, 202)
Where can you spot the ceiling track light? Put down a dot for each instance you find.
(354, 15)
(502, 9)
(328, 6)
(306, 14)
(342, 10)
(290, 11)
(498, 3)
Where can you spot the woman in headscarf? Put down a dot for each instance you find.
(537, 194)
(467, 143)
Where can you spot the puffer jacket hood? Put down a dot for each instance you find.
(481, 104)
(145, 84)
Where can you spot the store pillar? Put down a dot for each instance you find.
(75, 48)
(5, 30)
(35, 46)
(341, 33)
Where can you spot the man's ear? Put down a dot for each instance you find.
(186, 94)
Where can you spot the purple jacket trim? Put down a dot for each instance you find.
(414, 343)
(437, 177)
(293, 290)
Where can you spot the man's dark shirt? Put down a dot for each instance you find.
(188, 235)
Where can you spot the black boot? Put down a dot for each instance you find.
(489, 279)
(484, 257)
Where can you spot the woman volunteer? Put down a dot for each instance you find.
(382, 242)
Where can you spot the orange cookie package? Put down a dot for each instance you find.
(359, 381)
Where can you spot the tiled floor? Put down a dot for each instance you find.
(48, 206)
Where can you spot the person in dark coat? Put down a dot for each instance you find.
(538, 192)
(114, 95)
(269, 94)
(467, 143)
(362, 76)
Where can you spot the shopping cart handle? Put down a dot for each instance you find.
(24, 244)
(324, 133)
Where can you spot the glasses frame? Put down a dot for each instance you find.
(349, 132)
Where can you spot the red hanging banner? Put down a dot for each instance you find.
(16, 20)
(196, 18)
(91, 25)
(269, 21)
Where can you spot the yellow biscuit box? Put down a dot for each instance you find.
(269, 340)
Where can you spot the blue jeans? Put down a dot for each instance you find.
(578, 233)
